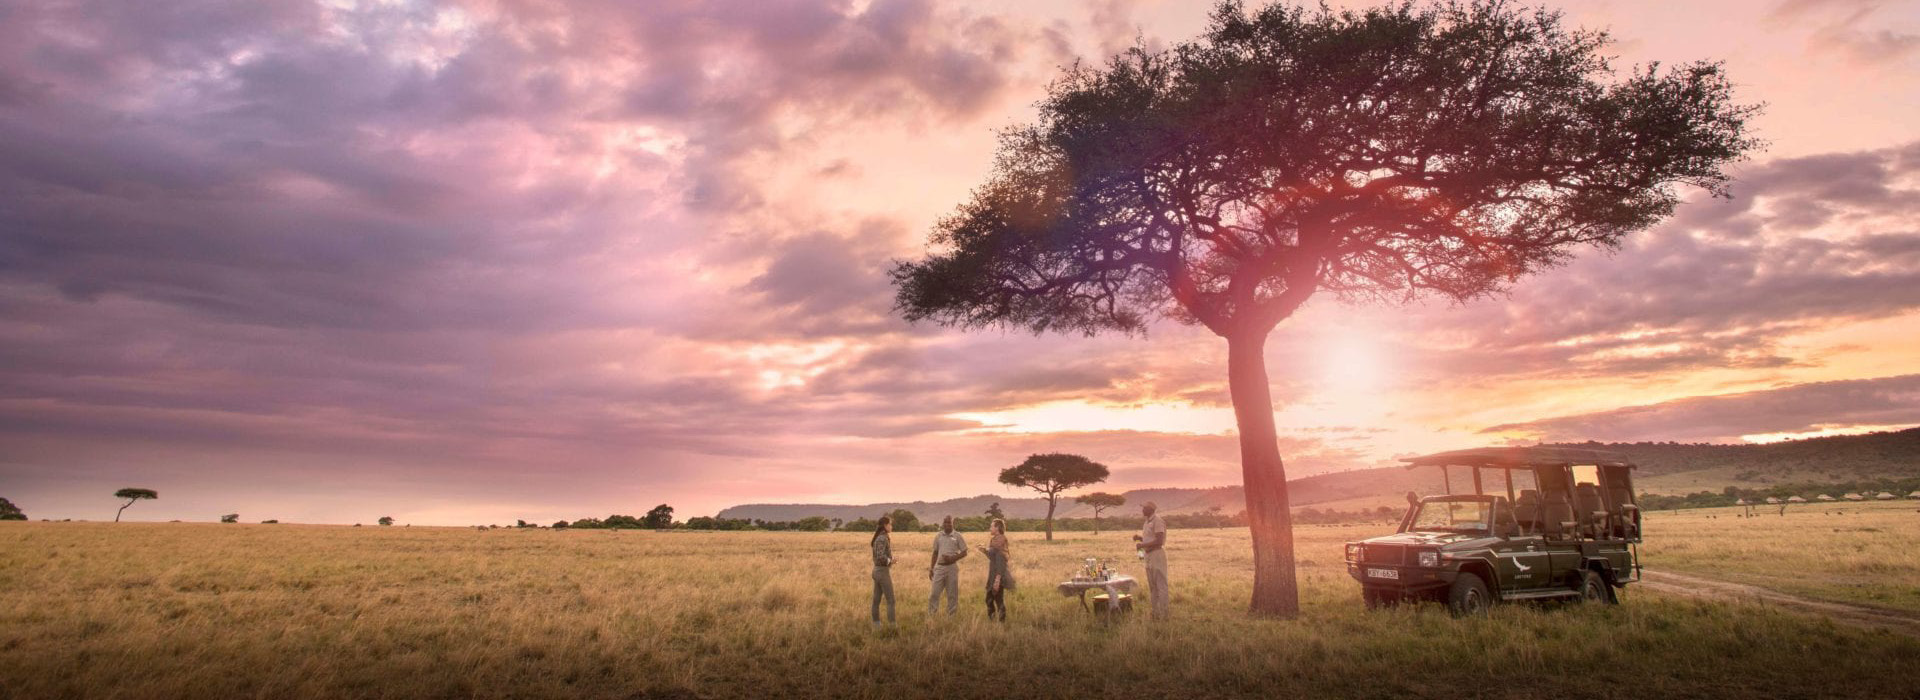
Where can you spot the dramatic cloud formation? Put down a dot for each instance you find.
(476, 261)
(1809, 242)
(1873, 402)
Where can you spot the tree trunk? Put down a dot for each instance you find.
(123, 509)
(1050, 498)
(1275, 590)
(1096, 521)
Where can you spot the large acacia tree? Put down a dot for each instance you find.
(1386, 154)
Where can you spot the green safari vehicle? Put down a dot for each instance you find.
(1571, 530)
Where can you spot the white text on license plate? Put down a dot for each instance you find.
(1383, 573)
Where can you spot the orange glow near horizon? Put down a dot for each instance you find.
(1825, 431)
(498, 261)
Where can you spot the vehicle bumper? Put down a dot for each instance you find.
(1410, 578)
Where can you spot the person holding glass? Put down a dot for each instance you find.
(1151, 541)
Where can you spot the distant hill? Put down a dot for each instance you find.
(1664, 468)
(1313, 490)
(1667, 467)
(1839, 457)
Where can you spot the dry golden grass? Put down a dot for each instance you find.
(203, 611)
(1863, 553)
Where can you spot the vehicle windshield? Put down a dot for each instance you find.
(1453, 516)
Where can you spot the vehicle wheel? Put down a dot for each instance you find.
(1594, 589)
(1469, 596)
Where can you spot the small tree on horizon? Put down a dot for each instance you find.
(132, 495)
(904, 520)
(1387, 154)
(1100, 501)
(385, 520)
(660, 518)
(9, 511)
(993, 511)
(230, 518)
(1053, 473)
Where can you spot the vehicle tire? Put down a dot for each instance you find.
(1595, 590)
(1469, 597)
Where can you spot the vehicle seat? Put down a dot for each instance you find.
(1503, 520)
(1558, 514)
(1620, 502)
(1591, 511)
(1526, 510)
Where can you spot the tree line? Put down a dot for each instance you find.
(1731, 495)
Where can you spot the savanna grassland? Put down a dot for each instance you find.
(206, 611)
(1860, 553)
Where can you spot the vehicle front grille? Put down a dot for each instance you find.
(1384, 554)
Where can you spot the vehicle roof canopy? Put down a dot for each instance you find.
(1520, 457)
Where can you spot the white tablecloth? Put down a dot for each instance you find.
(1114, 586)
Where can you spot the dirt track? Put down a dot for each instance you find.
(1860, 615)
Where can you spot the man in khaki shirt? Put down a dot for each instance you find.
(1151, 540)
(948, 549)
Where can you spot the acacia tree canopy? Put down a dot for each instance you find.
(132, 495)
(1052, 473)
(1100, 501)
(1380, 154)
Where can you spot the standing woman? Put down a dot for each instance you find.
(999, 570)
(883, 568)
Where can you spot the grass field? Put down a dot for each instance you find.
(1862, 553)
(201, 610)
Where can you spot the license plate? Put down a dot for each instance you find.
(1384, 573)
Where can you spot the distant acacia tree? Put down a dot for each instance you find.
(230, 518)
(560, 524)
(1100, 501)
(1418, 149)
(132, 495)
(9, 511)
(385, 520)
(660, 518)
(1051, 474)
(993, 511)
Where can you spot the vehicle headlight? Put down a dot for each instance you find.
(1429, 558)
(1353, 552)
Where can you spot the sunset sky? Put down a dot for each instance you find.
(468, 262)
